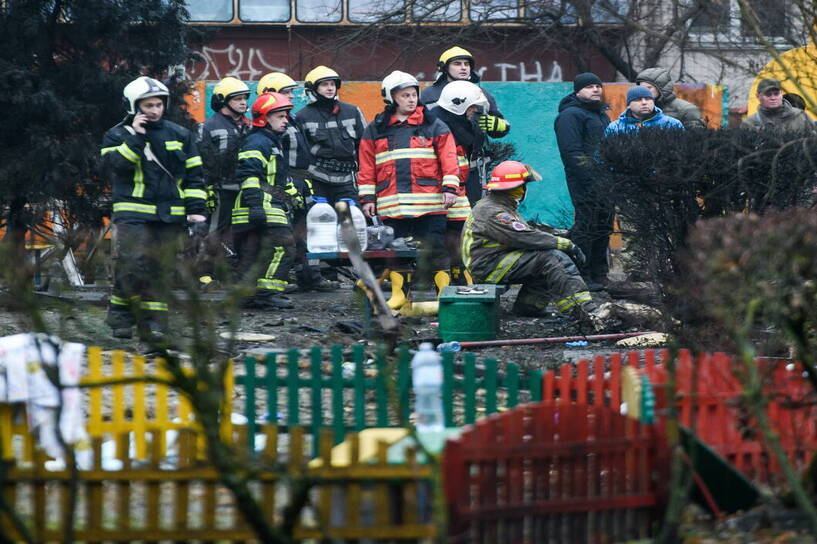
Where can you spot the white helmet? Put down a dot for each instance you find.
(458, 96)
(144, 87)
(394, 82)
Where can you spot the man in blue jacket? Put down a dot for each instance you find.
(641, 112)
(579, 130)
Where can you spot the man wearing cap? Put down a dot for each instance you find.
(774, 112)
(579, 130)
(641, 112)
(659, 82)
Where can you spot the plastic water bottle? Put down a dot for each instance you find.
(321, 227)
(427, 378)
(451, 347)
(359, 220)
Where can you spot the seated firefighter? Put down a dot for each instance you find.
(499, 246)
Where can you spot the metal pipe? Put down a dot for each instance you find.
(551, 340)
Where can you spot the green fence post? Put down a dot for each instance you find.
(380, 395)
(249, 401)
(293, 383)
(490, 386)
(338, 419)
(360, 389)
(448, 388)
(535, 385)
(469, 386)
(271, 384)
(403, 385)
(317, 408)
(511, 385)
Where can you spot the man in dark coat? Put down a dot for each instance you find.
(579, 129)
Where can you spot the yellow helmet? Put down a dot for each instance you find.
(318, 74)
(275, 82)
(454, 53)
(227, 88)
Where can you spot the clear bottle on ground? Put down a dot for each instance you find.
(427, 381)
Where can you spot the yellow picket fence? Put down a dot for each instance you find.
(156, 496)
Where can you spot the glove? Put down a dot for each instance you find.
(492, 123)
(294, 197)
(212, 199)
(257, 216)
(572, 250)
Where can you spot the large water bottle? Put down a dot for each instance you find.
(427, 380)
(321, 227)
(359, 220)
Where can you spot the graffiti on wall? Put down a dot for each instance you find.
(249, 64)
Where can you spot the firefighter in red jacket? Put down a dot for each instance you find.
(409, 174)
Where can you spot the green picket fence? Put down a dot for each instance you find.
(346, 392)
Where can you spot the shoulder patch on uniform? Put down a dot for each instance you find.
(519, 225)
(504, 218)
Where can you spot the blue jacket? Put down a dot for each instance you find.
(627, 123)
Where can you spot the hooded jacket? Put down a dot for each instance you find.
(431, 95)
(579, 130)
(789, 119)
(686, 112)
(626, 122)
(406, 165)
(154, 176)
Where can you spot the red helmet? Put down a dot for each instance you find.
(510, 174)
(268, 103)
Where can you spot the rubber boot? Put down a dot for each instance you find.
(399, 290)
(442, 279)
(466, 274)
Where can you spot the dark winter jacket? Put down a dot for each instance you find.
(263, 173)
(219, 139)
(626, 122)
(431, 95)
(155, 176)
(333, 134)
(495, 236)
(787, 118)
(579, 130)
(686, 112)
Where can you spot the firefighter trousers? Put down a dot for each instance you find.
(144, 265)
(266, 254)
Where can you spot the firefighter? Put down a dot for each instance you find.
(155, 172)
(457, 64)
(460, 104)
(296, 150)
(263, 236)
(333, 130)
(219, 139)
(499, 246)
(409, 174)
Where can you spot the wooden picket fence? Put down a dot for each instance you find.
(166, 489)
(320, 392)
(555, 472)
(711, 402)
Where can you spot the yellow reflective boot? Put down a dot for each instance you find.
(399, 290)
(442, 279)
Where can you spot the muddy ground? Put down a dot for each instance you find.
(320, 319)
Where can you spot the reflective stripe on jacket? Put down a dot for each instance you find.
(219, 139)
(155, 176)
(495, 236)
(461, 208)
(262, 174)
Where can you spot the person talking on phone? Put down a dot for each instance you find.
(154, 169)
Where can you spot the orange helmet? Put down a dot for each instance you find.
(268, 103)
(510, 174)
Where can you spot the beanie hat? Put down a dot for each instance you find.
(584, 80)
(638, 92)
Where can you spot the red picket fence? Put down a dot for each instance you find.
(710, 400)
(555, 472)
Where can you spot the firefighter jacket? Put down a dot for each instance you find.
(219, 139)
(495, 236)
(263, 175)
(333, 135)
(405, 165)
(155, 176)
(295, 147)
